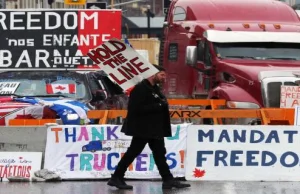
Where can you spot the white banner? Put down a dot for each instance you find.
(243, 153)
(93, 151)
(19, 164)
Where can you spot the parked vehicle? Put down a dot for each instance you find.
(93, 88)
(232, 50)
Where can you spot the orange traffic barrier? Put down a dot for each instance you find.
(274, 116)
(30, 122)
(278, 116)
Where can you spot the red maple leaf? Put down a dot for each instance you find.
(198, 173)
(60, 87)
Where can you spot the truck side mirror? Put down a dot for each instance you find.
(191, 55)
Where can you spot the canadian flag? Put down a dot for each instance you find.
(62, 88)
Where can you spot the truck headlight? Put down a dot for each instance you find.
(242, 105)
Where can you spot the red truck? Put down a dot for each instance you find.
(240, 51)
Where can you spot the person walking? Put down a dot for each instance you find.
(147, 121)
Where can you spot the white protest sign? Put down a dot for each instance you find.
(19, 164)
(243, 153)
(122, 63)
(289, 96)
(93, 152)
(8, 87)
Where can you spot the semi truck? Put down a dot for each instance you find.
(240, 51)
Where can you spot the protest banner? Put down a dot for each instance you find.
(289, 96)
(243, 153)
(93, 151)
(54, 38)
(19, 164)
(122, 63)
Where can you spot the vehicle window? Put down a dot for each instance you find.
(40, 83)
(179, 14)
(173, 52)
(258, 51)
(200, 49)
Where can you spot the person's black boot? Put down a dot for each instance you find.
(174, 183)
(119, 183)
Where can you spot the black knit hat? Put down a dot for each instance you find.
(159, 68)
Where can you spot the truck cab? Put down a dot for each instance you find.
(233, 50)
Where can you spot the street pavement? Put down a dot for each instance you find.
(150, 187)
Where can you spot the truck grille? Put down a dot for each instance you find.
(271, 89)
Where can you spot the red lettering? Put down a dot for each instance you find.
(94, 56)
(124, 74)
(19, 170)
(99, 55)
(114, 60)
(10, 174)
(283, 103)
(28, 171)
(5, 172)
(138, 65)
(121, 57)
(15, 171)
(295, 102)
(130, 70)
(118, 45)
(116, 79)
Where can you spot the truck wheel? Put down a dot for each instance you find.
(108, 149)
(84, 149)
(93, 150)
(104, 149)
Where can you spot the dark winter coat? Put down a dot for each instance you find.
(148, 113)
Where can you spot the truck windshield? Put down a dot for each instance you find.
(259, 51)
(43, 84)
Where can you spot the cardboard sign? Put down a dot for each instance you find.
(122, 63)
(289, 96)
(93, 151)
(20, 164)
(8, 87)
(243, 153)
(54, 38)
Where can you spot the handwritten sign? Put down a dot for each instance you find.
(289, 96)
(19, 164)
(122, 63)
(8, 87)
(93, 152)
(242, 153)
